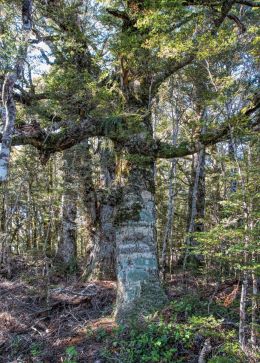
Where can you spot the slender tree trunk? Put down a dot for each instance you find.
(233, 172)
(242, 312)
(3, 232)
(254, 309)
(170, 208)
(248, 227)
(169, 222)
(67, 249)
(196, 205)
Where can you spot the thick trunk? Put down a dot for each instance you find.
(101, 262)
(139, 289)
(99, 215)
(67, 250)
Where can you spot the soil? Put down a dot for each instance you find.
(50, 318)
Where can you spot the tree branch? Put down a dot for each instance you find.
(216, 3)
(118, 14)
(167, 151)
(239, 23)
(66, 134)
(170, 69)
(249, 3)
(226, 6)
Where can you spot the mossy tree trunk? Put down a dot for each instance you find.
(139, 289)
(98, 207)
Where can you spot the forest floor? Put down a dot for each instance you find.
(42, 318)
(46, 319)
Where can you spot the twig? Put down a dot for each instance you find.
(212, 296)
(206, 349)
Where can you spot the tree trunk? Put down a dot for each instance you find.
(196, 205)
(170, 214)
(9, 112)
(101, 261)
(170, 207)
(242, 312)
(248, 227)
(254, 309)
(233, 172)
(198, 171)
(67, 249)
(139, 289)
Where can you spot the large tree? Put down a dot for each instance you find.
(108, 65)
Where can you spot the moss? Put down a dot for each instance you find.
(68, 268)
(168, 151)
(129, 213)
(141, 160)
(152, 298)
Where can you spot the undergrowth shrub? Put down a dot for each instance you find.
(176, 335)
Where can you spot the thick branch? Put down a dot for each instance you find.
(225, 8)
(64, 135)
(27, 99)
(218, 2)
(167, 151)
(253, 4)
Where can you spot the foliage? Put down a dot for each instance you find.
(175, 335)
(71, 355)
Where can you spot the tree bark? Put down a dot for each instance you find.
(170, 207)
(254, 309)
(9, 112)
(101, 260)
(248, 227)
(67, 249)
(242, 312)
(196, 205)
(170, 214)
(139, 288)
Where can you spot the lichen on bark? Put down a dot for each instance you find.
(139, 288)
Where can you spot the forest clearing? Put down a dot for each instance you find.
(129, 181)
